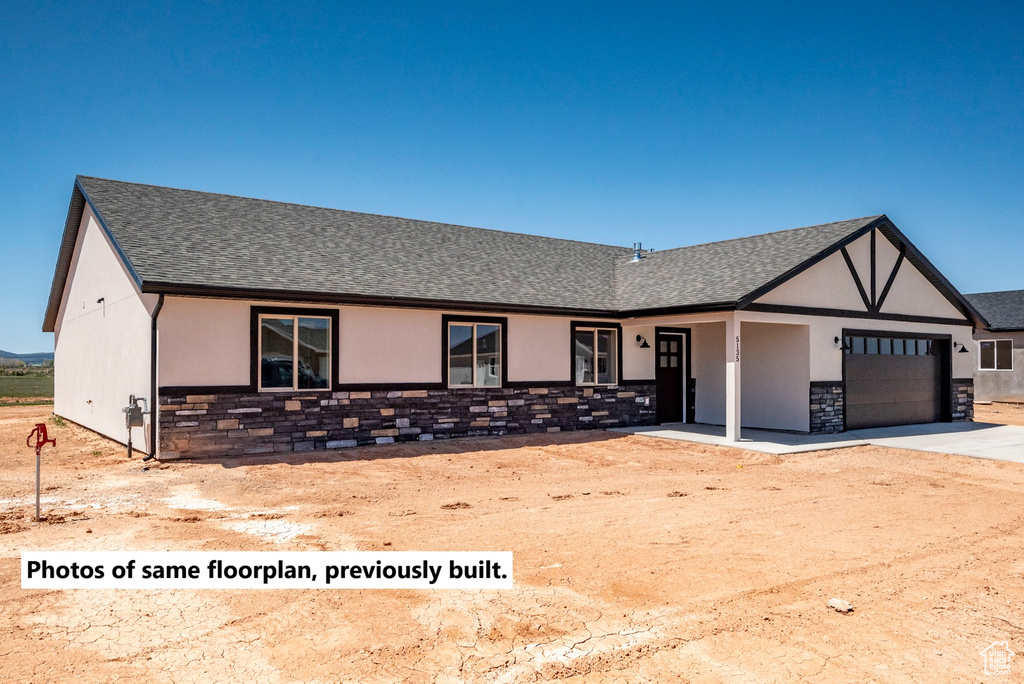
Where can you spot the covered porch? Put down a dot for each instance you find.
(738, 371)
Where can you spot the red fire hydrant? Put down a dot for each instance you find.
(41, 440)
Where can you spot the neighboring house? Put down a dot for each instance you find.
(999, 375)
(263, 327)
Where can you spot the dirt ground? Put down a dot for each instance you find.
(635, 560)
(1007, 414)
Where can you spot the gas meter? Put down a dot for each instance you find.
(133, 414)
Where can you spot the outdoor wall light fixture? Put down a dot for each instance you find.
(963, 348)
(840, 344)
(642, 342)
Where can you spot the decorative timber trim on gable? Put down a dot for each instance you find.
(750, 297)
(868, 303)
(869, 293)
(874, 303)
(850, 313)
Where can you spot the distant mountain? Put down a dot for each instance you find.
(30, 359)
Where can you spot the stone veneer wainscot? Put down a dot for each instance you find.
(238, 424)
(827, 409)
(963, 399)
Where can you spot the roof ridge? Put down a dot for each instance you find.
(359, 213)
(992, 292)
(866, 219)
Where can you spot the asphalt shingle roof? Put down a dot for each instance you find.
(723, 272)
(186, 241)
(1003, 310)
(198, 238)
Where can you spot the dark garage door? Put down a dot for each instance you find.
(894, 380)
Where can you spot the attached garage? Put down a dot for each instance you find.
(895, 378)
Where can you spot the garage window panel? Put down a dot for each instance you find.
(887, 346)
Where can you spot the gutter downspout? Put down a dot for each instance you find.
(154, 411)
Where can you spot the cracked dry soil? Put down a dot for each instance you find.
(635, 560)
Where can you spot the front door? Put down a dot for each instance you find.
(671, 374)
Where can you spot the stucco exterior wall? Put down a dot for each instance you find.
(538, 348)
(775, 376)
(101, 349)
(825, 285)
(389, 345)
(911, 293)
(782, 353)
(826, 357)
(773, 347)
(708, 357)
(205, 342)
(829, 284)
(637, 363)
(1000, 385)
(860, 255)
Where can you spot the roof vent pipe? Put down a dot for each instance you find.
(637, 249)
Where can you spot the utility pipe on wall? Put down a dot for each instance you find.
(154, 414)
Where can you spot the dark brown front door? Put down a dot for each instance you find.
(670, 372)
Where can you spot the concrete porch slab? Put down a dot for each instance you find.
(766, 441)
(979, 440)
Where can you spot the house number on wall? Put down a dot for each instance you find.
(737, 349)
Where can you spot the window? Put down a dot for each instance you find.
(474, 354)
(596, 356)
(996, 355)
(885, 346)
(294, 351)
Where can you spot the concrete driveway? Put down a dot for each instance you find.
(980, 440)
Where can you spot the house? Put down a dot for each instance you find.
(255, 327)
(999, 375)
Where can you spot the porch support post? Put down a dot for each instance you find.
(732, 378)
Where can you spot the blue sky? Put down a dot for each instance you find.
(670, 123)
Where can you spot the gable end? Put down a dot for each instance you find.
(872, 277)
(72, 225)
(750, 297)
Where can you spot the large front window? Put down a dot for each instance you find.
(295, 352)
(596, 356)
(474, 355)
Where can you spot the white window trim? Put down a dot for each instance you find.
(295, 354)
(448, 352)
(995, 356)
(615, 351)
